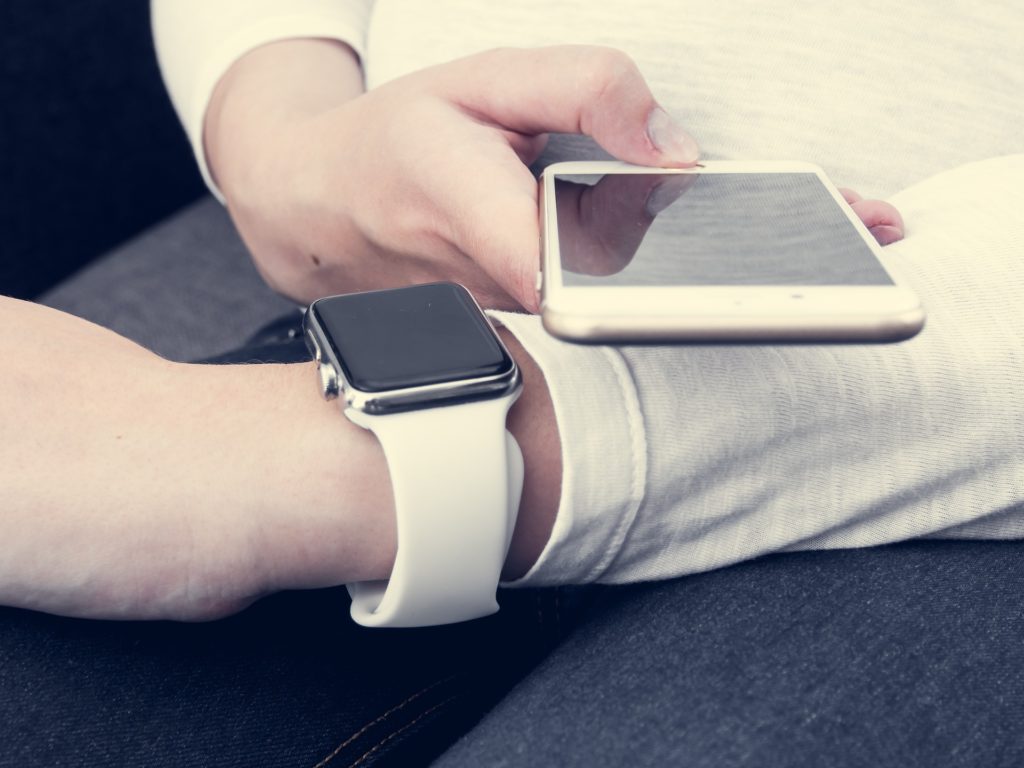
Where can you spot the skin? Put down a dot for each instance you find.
(336, 190)
(141, 488)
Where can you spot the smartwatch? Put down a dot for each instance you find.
(423, 369)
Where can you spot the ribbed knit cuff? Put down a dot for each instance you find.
(604, 451)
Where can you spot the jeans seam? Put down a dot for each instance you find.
(384, 717)
(405, 727)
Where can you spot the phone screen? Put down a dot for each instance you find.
(708, 229)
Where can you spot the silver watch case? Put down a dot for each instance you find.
(334, 384)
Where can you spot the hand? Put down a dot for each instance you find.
(881, 218)
(425, 178)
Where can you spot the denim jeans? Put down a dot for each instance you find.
(905, 655)
(908, 655)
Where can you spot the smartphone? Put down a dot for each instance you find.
(722, 252)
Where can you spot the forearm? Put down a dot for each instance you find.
(135, 487)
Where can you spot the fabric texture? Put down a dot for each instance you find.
(698, 458)
(754, 449)
(907, 656)
(291, 681)
(881, 95)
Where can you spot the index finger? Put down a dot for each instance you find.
(590, 90)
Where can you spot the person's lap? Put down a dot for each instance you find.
(897, 655)
(290, 681)
(906, 655)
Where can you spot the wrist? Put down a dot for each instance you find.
(317, 504)
(311, 491)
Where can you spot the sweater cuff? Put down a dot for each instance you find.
(604, 453)
(266, 30)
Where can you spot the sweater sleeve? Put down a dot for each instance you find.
(684, 459)
(197, 41)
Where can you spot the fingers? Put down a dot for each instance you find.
(849, 195)
(526, 94)
(876, 212)
(570, 89)
(885, 234)
(881, 219)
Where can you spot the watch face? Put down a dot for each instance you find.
(410, 337)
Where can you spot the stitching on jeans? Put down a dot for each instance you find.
(383, 717)
(405, 727)
(540, 611)
(558, 613)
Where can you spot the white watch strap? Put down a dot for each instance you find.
(457, 476)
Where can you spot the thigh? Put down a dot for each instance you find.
(290, 682)
(186, 289)
(907, 655)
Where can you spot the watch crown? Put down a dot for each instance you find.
(328, 380)
(328, 376)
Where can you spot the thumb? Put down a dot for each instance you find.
(590, 90)
(494, 222)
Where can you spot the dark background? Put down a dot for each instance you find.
(91, 151)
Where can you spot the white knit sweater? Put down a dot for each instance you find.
(683, 459)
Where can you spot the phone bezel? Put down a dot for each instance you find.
(757, 313)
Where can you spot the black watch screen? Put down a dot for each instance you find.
(410, 337)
